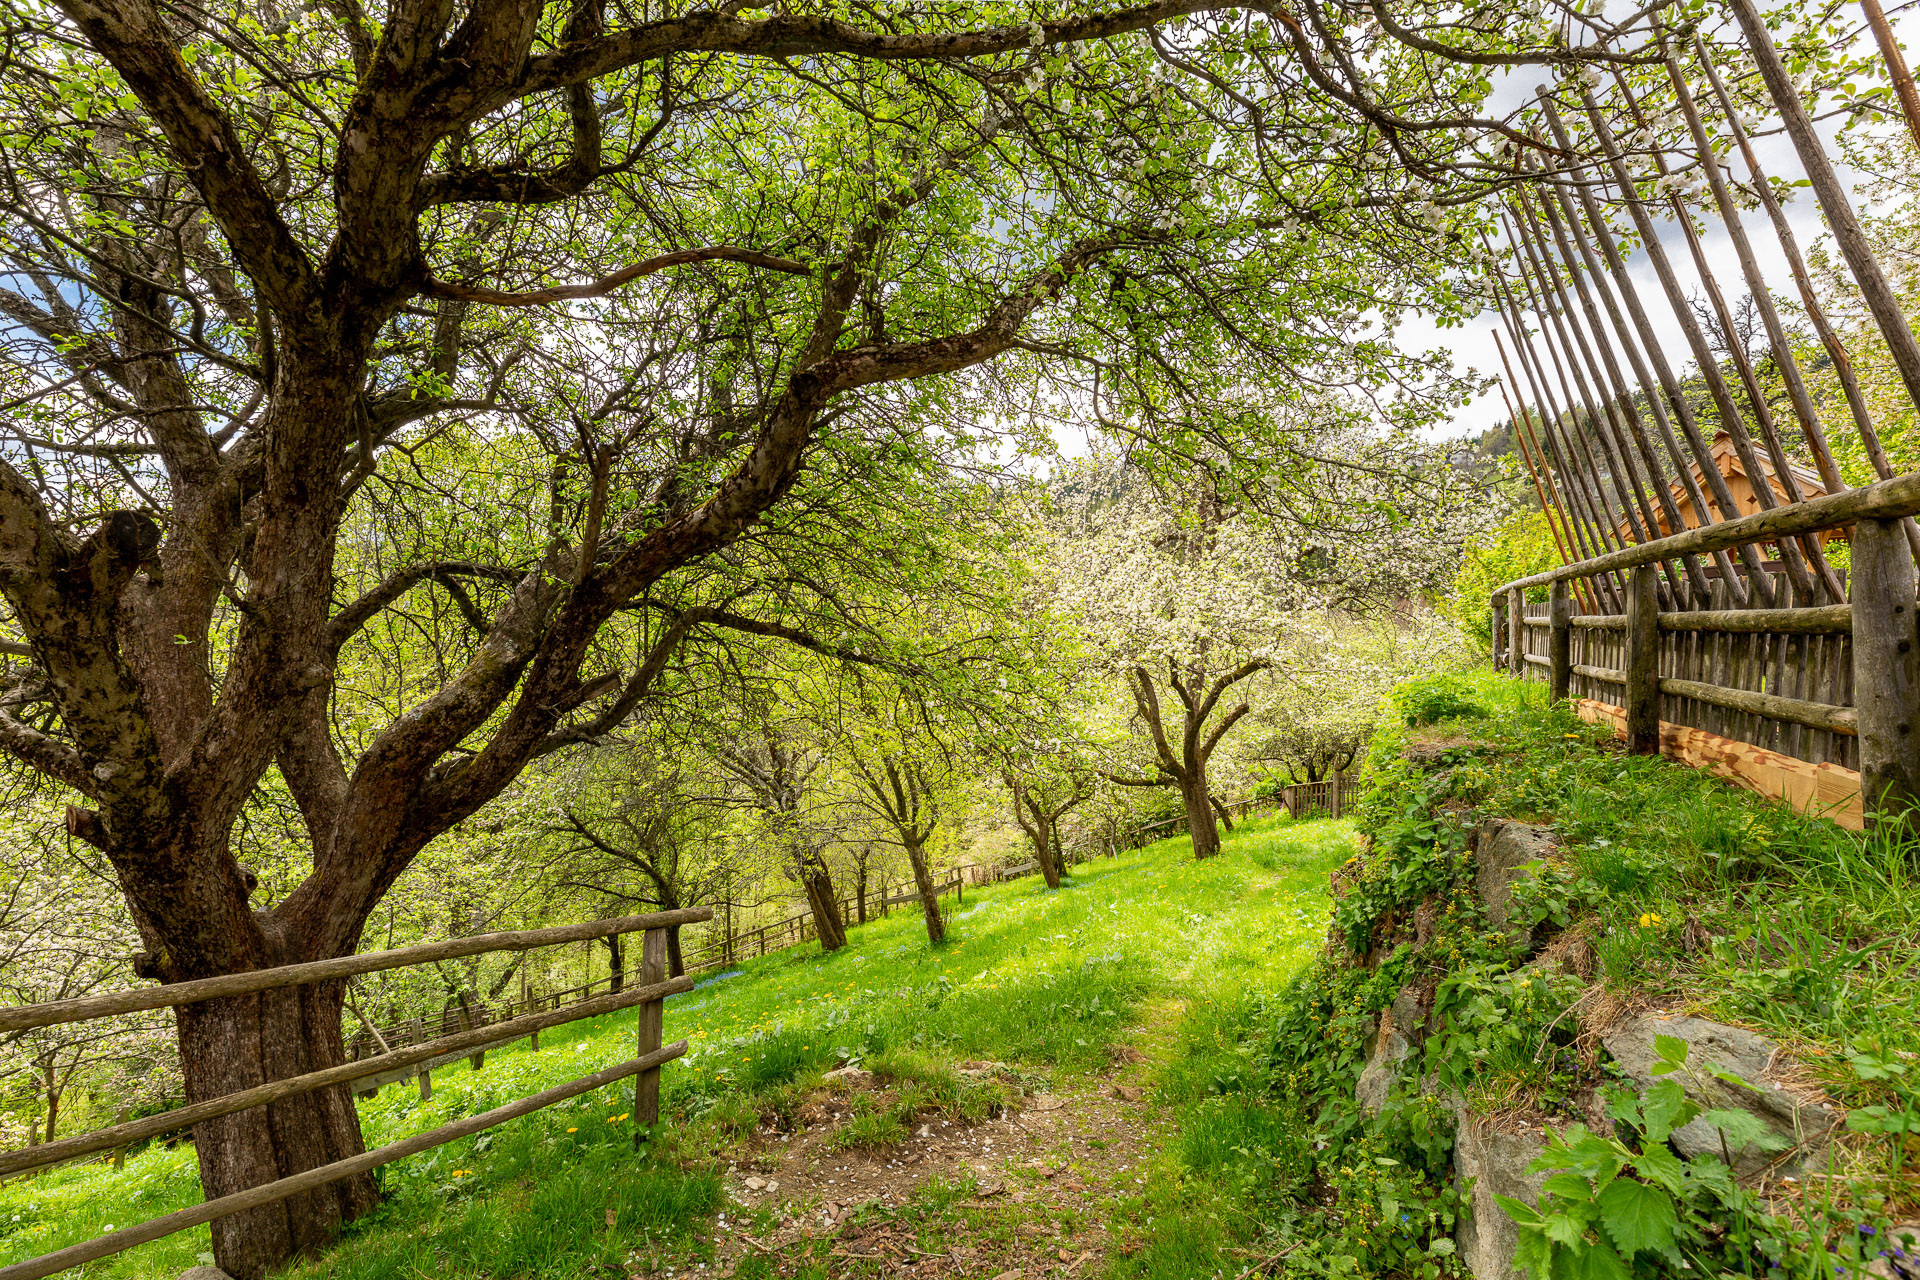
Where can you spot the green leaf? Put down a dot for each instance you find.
(1661, 1167)
(1568, 1186)
(1520, 1211)
(1637, 1216)
(1597, 1262)
(1744, 1129)
(1670, 1054)
(1664, 1109)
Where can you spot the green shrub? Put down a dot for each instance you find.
(1434, 698)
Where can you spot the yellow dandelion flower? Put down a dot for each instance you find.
(1650, 920)
(573, 1128)
(461, 1173)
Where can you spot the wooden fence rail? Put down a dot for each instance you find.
(645, 1066)
(1815, 704)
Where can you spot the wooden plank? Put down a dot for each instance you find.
(1891, 498)
(1601, 622)
(1820, 620)
(1642, 674)
(651, 1025)
(1560, 643)
(1818, 715)
(22, 1017)
(1516, 633)
(273, 1192)
(1886, 664)
(1824, 790)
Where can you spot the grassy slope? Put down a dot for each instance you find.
(1041, 980)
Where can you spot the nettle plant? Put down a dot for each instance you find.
(1618, 1207)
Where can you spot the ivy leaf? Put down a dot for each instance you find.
(1637, 1216)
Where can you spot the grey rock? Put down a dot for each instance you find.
(1391, 1047)
(1806, 1126)
(1492, 1164)
(204, 1273)
(1410, 1011)
(1501, 850)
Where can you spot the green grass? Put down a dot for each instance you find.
(1042, 981)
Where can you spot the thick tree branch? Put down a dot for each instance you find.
(131, 35)
(47, 756)
(607, 284)
(356, 615)
(800, 37)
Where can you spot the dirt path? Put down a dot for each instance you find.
(1025, 1195)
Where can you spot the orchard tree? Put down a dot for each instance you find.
(1043, 793)
(1182, 606)
(545, 312)
(641, 834)
(1188, 593)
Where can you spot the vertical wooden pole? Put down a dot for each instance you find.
(646, 1090)
(426, 1084)
(1643, 664)
(1516, 634)
(1886, 670)
(1499, 625)
(1562, 646)
(1896, 65)
(1334, 795)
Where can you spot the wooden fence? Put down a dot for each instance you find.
(651, 1055)
(731, 948)
(1816, 704)
(1328, 796)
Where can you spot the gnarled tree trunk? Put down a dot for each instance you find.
(929, 898)
(827, 924)
(233, 1044)
(1199, 807)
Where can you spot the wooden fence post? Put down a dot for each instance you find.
(1561, 648)
(1517, 634)
(1643, 664)
(1886, 670)
(1499, 625)
(653, 1014)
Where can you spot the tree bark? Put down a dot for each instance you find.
(1043, 851)
(676, 965)
(53, 1102)
(929, 899)
(827, 925)
(1193, 794)
(1220, 811)
(616, 963)
(237, 1043)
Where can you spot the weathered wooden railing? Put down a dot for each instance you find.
(649, 996)
(731, 948)
(1830, 692)
(1328, 796)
